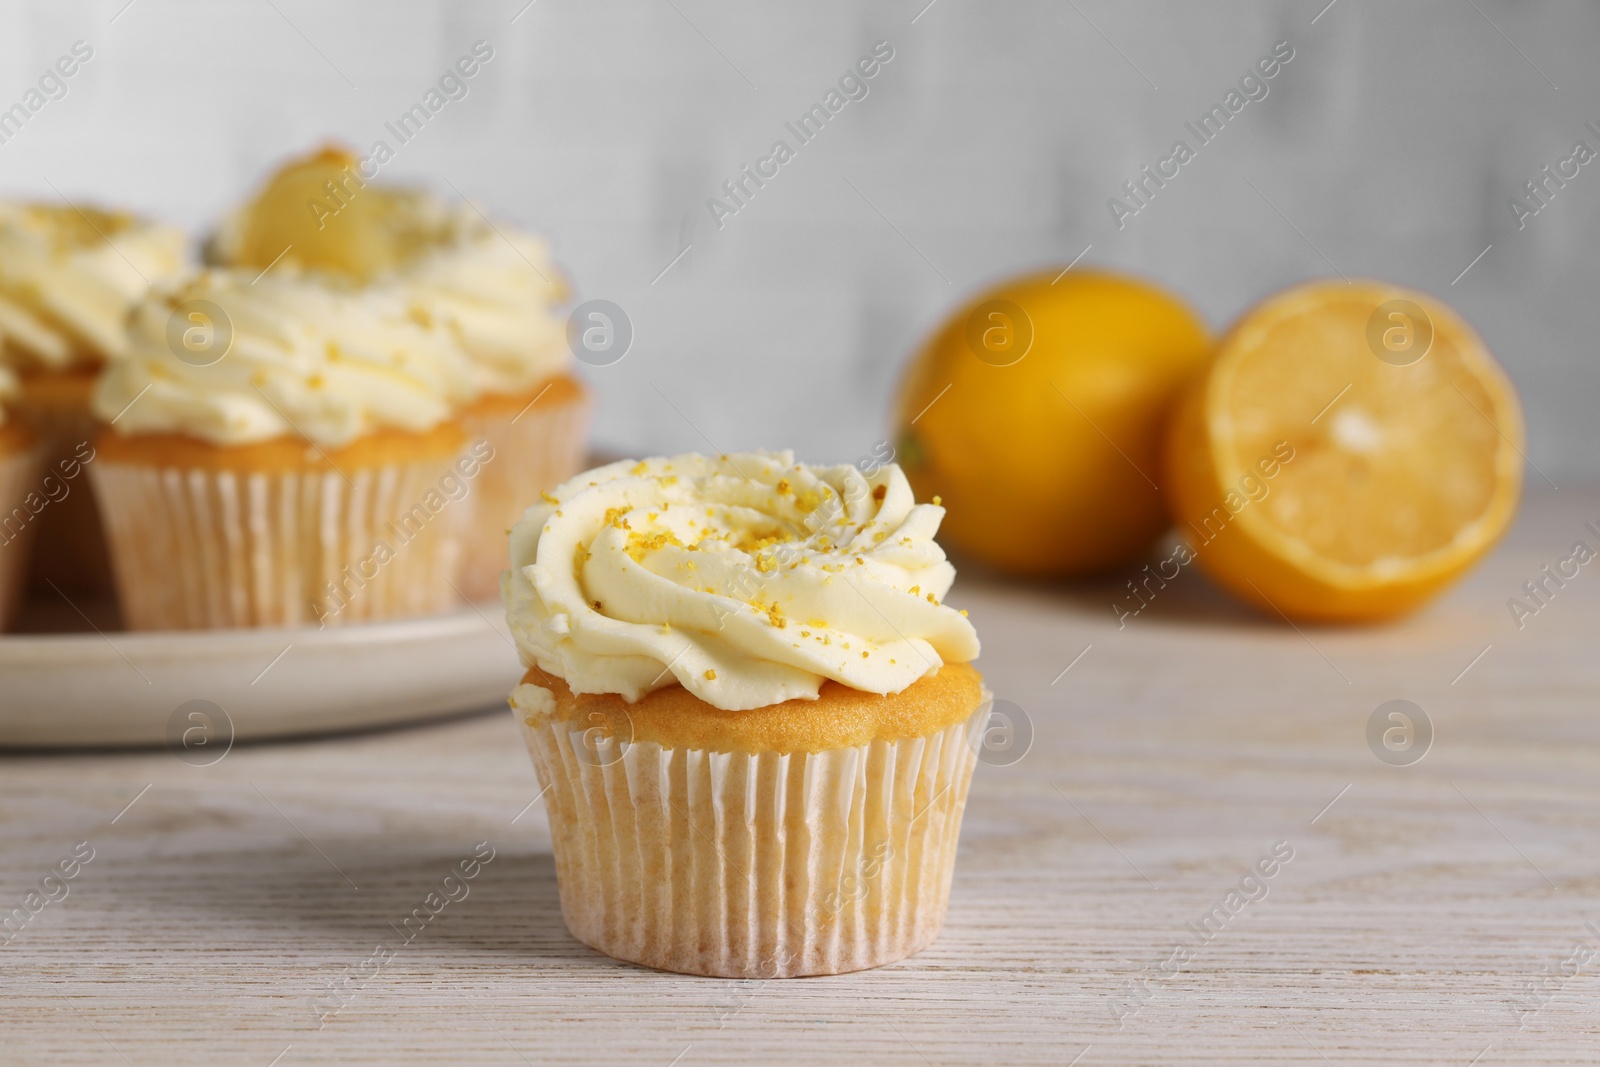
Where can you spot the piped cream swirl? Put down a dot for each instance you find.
(306, 359)
(490, 286)
(749, 579)
(493, 287)
(68, 276)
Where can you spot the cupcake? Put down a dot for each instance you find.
(21, 499)
(68, 276)
(280, 451)
(754, 719)
(490, 288)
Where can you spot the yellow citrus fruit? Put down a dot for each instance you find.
(318, 212)
(1036, 414)
(1352, 450)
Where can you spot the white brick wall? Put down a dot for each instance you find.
(991, 141)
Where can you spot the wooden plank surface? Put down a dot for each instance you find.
(1422, 906)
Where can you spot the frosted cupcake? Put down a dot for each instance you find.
(280, 452)
(68, 276)
(491, 288)
(755, 720)
(20, 499)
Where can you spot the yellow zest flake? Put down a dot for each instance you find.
(824, 544)
(641, 545)
(932, 601)
(710, 511)
(689, 563)
(581, 556)
(915, 590)
(879, 536)
(805, 633)
(614, 517)
(711, 676)
(864, 653)
(832, 568)
(937, 501)
(548, 499)
(861, 561)
(315, 381)
(639, 468)
(671, 479)
(807, 501)
(905, 540)
(892, 663)
(827, 640)
(879, 493)
(653, 516)
(775, 616)
(847, 644)
(783, 486)
(962, 613)
(765, 565)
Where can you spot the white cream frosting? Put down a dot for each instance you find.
(307, 358)
(748, 579)
(68, 277)
(494, 288)
(491, 287)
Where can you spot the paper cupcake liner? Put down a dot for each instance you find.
(196, 549)
(533, 453)
(754, 866)
(19, 476)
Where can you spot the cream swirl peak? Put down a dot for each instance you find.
(749, 579)
(68, 276)
(491, 286)
(304, 358)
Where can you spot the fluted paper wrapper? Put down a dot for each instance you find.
(755, 866)
(197, 549)
(534, 452)
(19, 475)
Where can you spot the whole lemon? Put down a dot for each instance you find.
(1036, 414)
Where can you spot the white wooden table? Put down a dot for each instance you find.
(1423, 904)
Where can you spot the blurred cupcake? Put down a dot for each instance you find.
(20, 499)
(755, 721)
(280, 452)
(490, 287)
(68, 276)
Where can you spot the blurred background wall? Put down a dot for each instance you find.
(1389, 145)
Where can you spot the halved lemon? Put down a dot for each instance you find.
(1352, 450)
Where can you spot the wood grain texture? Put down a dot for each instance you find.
(1414, 913)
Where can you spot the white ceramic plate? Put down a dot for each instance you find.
(202, 690)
